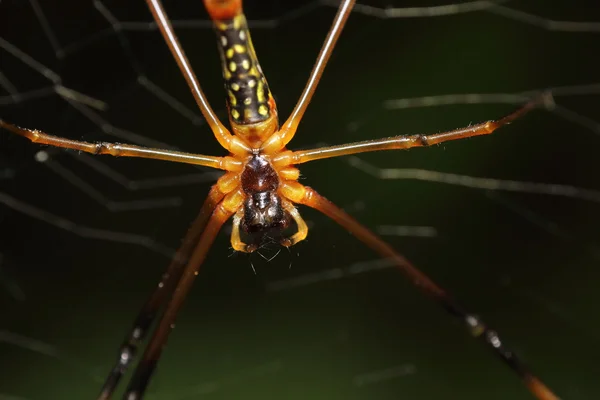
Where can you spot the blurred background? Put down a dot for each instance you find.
(84, 240)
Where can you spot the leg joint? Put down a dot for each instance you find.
(423, 140)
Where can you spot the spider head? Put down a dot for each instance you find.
(263, 213)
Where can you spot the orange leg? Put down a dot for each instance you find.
(125, 150)
(400, 142)
(475, 326)
(280, 139)
(289, 173)
(302, 232)
(232, 143)
(223, 211)
(236, 240)
(162, 292)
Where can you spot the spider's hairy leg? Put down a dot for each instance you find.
(124, 150)
(289, 173)
(128, 350)
(164, 289)
(142, 374)
(477, 328)
(232, 143)
(405, 141)
(236, 240)
(280, 139)
(302, 232)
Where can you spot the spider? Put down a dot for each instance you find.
(260, 189)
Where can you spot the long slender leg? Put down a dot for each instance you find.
(124, 150)
(144, 370)
(475, 326)
(403, 141)
(162, 292)
(225, 138)
(278, 141)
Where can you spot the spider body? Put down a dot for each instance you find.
(260, 187)
(253, 119)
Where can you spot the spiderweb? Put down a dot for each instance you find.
(507, 223)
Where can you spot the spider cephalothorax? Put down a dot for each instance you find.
(263, 206)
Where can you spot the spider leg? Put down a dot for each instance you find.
(404, 141)
(236, 240)
(161, 293)
(124, 150)
(232, 143)
(300, 235)
(142, 374)
(287, 131)
(475, 326)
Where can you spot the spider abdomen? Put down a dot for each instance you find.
(249, 99)
(251, 107)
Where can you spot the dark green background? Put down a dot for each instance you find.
(528, 264)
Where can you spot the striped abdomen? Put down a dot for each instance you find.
(248, 97)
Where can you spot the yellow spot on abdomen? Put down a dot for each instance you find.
(232, 99)
(221, 25)
(237, 22)
(260, 93)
